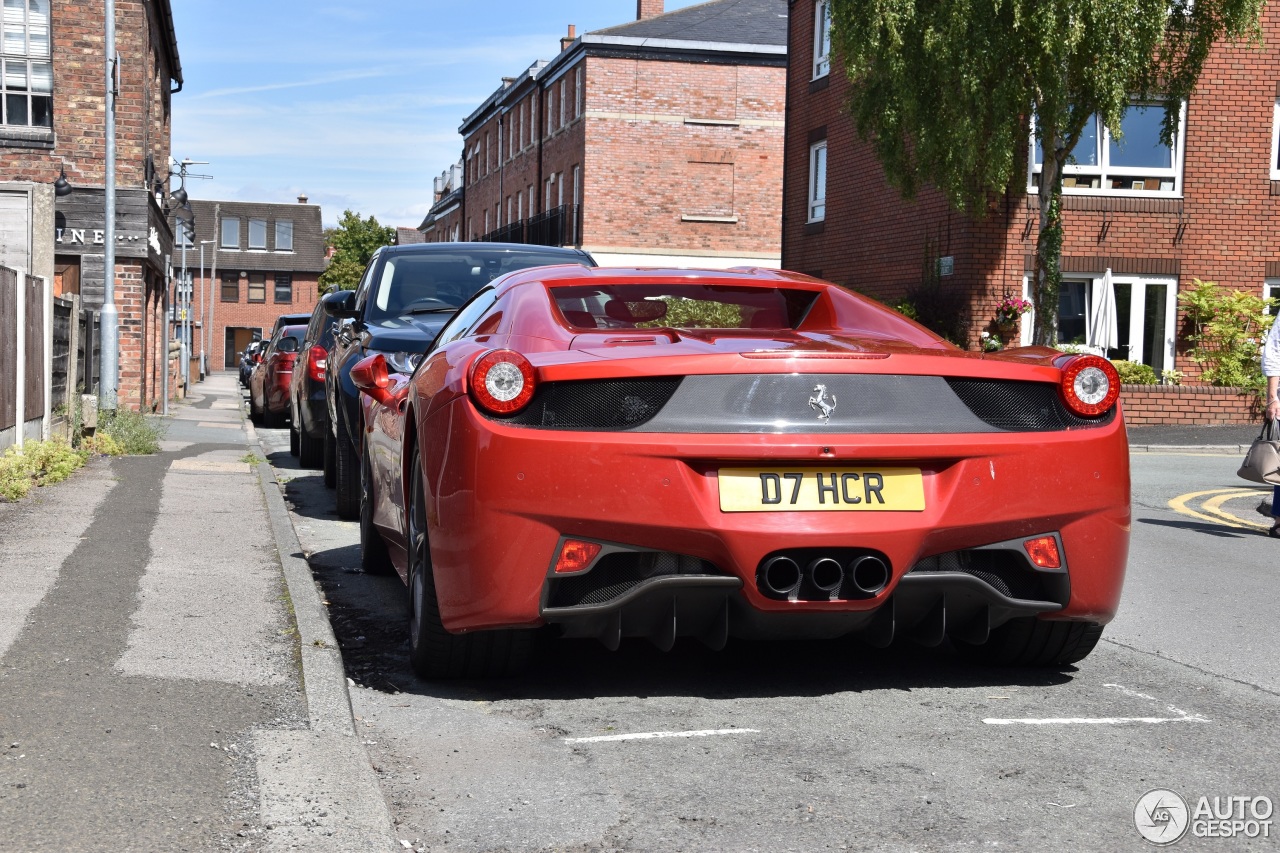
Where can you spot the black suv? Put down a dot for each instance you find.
(405, 297)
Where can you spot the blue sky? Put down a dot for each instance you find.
(357, 103)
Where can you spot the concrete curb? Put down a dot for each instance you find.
(332, 765)
(1224, 449)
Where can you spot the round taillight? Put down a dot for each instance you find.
(1090, 385)
(502, 382)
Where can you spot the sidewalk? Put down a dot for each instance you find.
(1192, 438)
(168, 674)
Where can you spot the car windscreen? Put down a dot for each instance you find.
(441, 282)
(683, 306)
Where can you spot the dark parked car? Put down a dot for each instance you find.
(248, 359)
(406, 295)
(269, 382)
(308, 413)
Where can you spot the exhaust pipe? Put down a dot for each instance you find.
(780, 577)
(869, 575)
(825, 577)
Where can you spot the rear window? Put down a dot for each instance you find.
(439, 282)
(683, 306)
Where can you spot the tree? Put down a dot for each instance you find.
(949, 91)
(354, 241)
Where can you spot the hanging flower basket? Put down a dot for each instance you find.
(1009, 309)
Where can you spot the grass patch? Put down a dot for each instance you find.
(135, 434)
(37, 463)
(251, 459)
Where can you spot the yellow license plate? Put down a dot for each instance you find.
(818, 490)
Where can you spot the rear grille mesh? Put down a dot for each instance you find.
(1021, 406)
(595, 404)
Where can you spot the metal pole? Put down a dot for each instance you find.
(184, 352)
(164, 342)
(213, 279)
(204, 321)
(110, 380)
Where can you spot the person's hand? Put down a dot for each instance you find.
(1273, 410)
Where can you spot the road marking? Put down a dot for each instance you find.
(1093, 721)
(1214, 505)
(655, 735)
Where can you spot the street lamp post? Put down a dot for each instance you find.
(110, 368)
(206, 320)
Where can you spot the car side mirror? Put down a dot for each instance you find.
(287, 345)
(341, 304)
(371, 376)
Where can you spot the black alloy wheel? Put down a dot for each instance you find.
(433, 651)
(346, 471)
(327, 462)
(310, 450)
(374, 558)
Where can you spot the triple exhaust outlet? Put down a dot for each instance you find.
(823, 578)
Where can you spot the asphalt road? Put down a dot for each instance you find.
(835, 745)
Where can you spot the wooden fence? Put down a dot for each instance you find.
(24, 348)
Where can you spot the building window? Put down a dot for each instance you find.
(531, 200)
(488, 158)
(1138, 163)
(519, 206)
(284, 235)
(511, 141)
(283, 288)
(563, 83)
(257, 287)
(486, 222)
(818, 182)
(523, 105)
(27, 81)
(822, 39)
(1275, 142)
(577, 181)
(230, 233)
(546, 202)
(551, 116)
(257, 234)
(577, 92)
(230, 287)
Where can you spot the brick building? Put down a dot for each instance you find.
(443, 223)
(259, 261)
(655, 142)
(53, 120)
(1141, 219)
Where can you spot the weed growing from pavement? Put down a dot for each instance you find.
(37, 463)
(251, 459)
(136, 434)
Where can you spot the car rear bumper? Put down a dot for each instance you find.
(505, 497)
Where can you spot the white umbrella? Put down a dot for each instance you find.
(1104, 326)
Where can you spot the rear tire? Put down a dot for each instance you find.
(346, 475)
(327, 462)
(310, 450)
(374, 558)
(255, 414)
(1034, 642)
(433, 651)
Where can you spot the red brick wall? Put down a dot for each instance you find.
(252, 315)
(1188, 404)
(648, 163)
(874, 241)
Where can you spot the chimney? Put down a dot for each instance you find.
(302, 199)
(569, 39)
(646, 9)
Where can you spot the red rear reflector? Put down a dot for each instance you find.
(576, 555)
(1043, 551)
(317, 358)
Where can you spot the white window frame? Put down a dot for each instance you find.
(1271, 288)
(577, 187)
(35, 61)
(1275, 141)
(817, 201)
(1105, 174)
(222, 233)
(821, 39)
(288, 223)
(262, 223)
(564, 82)
(1137, 308)
(577, 92)
(519, 205)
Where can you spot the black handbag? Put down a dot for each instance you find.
(1262, 462)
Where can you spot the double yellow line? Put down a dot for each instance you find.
(1213, 507)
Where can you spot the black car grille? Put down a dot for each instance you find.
(595, 404)
(1021, 406)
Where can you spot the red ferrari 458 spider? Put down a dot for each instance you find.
(671, 453)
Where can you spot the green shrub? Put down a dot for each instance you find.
(37, 463)
(1133, 373)
(135, 434)
(1227, 331)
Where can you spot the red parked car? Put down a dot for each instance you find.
(269, 382)
(667, 453)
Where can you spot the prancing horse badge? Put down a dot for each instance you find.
(820, 403)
